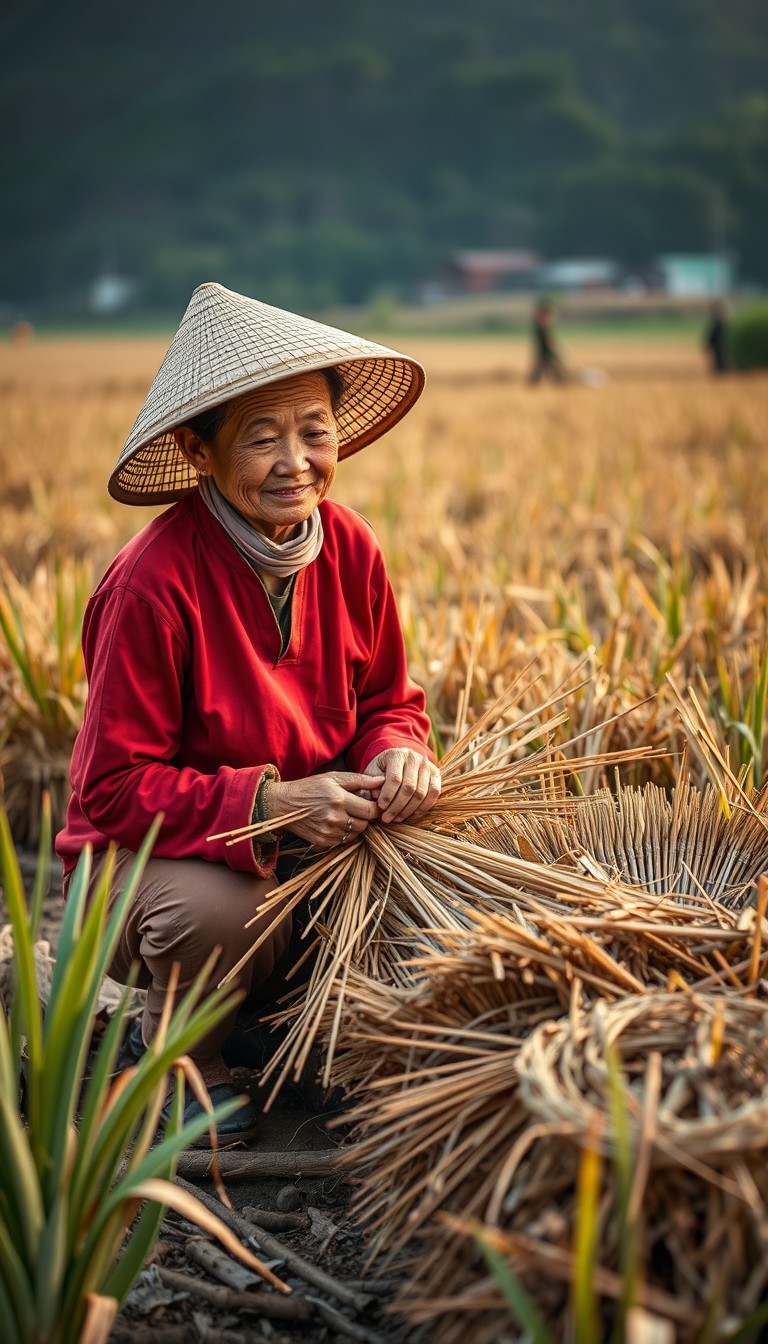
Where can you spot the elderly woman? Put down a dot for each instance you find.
(244, 654)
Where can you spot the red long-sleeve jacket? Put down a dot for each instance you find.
(189, 698)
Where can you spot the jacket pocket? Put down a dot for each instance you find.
(339, 713)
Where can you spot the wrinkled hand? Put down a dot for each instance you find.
(411, 784)
(337, 811)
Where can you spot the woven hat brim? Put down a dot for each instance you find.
(378, 392)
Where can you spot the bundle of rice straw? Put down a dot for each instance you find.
(686, 843)
(674, 1139)
(487, 1114)
(399, 888)
(447, 947)
(442, 1120)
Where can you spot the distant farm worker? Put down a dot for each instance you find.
(244, 653)
(546, 360)
(716, 336)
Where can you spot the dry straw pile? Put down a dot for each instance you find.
(547, 1012)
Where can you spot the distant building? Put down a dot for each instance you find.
(578, 273)
(690, 276)
(483, 272)
(110, 293)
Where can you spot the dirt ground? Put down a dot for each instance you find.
(330, 1241)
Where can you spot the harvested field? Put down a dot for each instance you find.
(512, 989)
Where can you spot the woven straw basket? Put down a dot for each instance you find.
(228, 344)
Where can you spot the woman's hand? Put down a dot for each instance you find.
(337, 811)
(411, 783)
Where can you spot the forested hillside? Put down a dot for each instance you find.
(317, 153)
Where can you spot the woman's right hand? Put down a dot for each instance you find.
(336, 807)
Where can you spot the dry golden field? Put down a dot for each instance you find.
(572, 960)
(623, 523)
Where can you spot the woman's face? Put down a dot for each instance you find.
(275, 456)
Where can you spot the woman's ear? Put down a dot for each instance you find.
(194, 449)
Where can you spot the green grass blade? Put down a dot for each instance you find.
(95, 1094)
(18, 1287)
(109, 1207)
(69, 1025)
(145, 1229)
(51, 1265)
(760, 694)
(104, 1065)
(118, 1128)
(71, 923)
(26, 1014)
(7, 1314)
(12, 629)
(585, 1304)
(61, 622)
(68, 1031)
(142, 1239)
(123, 1119)
(515, 1296)
(21, 1187)
(42, 873)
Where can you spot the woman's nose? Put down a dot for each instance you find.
(292, 457)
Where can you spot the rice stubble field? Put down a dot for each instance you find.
(601, 549)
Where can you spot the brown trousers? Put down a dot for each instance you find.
(183, 909)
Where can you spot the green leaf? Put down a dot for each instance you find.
(7, 1313)
(142, 1238)
(42, 873)
(94, 1097)
(26, 1014)
(71, 923)
(13, 1273)
(517, 1299)
(21, 1186)
(51, 1265)
(68, 1023)
(585, 1304)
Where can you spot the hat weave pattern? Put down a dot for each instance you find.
(228, 344)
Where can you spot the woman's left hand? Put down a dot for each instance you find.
(411, 783)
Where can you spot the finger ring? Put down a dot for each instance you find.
(348, 827)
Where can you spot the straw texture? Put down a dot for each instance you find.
(228, 344)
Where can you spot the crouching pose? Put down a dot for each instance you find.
(244, 653)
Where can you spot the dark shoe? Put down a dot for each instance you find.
(133, 1041)
(239, 1127)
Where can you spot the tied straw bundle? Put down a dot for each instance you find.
(391, 888)
(454, 1081)
(468, 1007)
(648, 1124)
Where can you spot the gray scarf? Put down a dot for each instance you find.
(281, 559)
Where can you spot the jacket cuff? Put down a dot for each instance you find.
(265, 846)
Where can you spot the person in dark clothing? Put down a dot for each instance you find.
(546, 362)
(715, 338)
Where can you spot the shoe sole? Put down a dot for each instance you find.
(204, 1141)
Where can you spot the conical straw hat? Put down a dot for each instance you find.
(227, 344)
